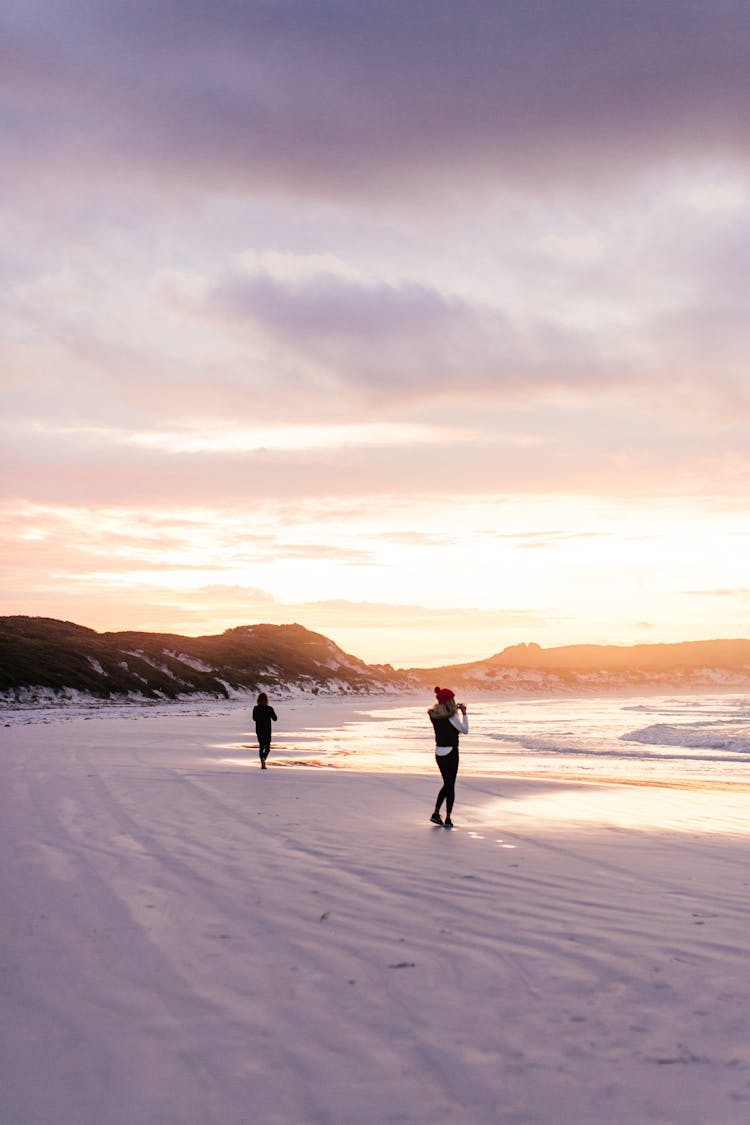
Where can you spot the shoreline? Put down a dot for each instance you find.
(360, 734)
(90, 707)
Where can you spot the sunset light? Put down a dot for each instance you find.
(374, 540)
(431, 376)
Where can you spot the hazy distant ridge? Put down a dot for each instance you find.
(580, 667)
(44, 657)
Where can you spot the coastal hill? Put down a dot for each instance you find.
(45, 659)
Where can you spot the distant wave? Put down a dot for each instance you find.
(543, 745)
(574, 750)
(724, 735)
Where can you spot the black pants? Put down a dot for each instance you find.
(448, 766)
(264, 744)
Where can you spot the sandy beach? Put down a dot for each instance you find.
(187, 940)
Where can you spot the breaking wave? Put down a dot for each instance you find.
(730, 737)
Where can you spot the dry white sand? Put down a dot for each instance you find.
(187, 940)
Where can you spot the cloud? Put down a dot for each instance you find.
(363, 614)
(297, 437)
(406, 340)
(618, 448)
(544, 539)
(340, 99)
(739, 592)
(620, 301)
(384, 338)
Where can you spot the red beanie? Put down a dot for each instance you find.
(444, 694)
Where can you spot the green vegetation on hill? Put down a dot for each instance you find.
(37, 652)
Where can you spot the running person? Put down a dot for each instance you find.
(263, 716)
(448, 725)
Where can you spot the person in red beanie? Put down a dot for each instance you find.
(447, 725)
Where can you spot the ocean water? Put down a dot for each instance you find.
(672, 738)
(698, 739)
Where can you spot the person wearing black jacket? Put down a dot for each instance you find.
(447, 726)
(263, 716)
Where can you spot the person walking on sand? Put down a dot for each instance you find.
(447, 725)
(263, 716)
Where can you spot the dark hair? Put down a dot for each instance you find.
(262, 699)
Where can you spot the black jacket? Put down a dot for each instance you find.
(445, 732)
(263, 715)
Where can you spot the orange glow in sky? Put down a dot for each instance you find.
(286, 339)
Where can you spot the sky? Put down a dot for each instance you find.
(422, 324)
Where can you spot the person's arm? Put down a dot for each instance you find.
(461, 724)
(273, 713)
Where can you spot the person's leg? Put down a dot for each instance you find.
(449, 781)
(442, 760)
